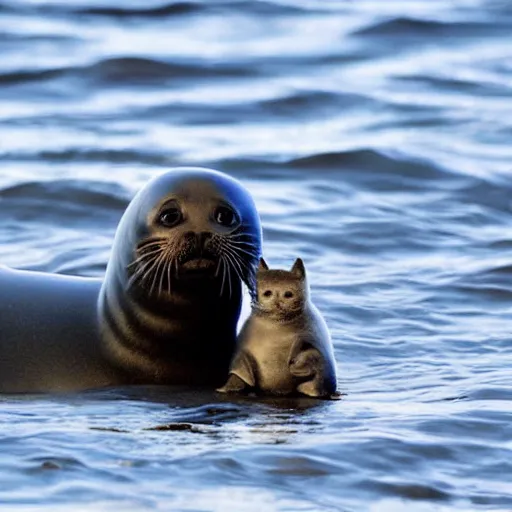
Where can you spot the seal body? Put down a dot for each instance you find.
(166, 311)
(49, 333)
(284, 346)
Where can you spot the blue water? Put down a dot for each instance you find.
(376, 138)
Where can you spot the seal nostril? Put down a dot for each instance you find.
(189, 236)
(202, 239)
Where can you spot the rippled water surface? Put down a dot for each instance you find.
(376, 139)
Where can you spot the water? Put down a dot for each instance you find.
(375, 137)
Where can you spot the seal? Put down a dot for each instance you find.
(284, 346)
(166, 311)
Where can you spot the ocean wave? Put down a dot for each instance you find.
(69, 195)
(110, 156)
(398, 27)
(457, 86)
(378, 162)
(158, 11)
(162, 10)
(257, 7)
(126, 71)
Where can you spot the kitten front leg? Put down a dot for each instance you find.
(234, 384)
(308, 365)
(241, 375)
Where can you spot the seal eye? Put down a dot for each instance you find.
(288, 295)
(225, 216)
(170, 217)
(267, 293)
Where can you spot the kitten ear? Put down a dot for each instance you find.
(263, 265)
(299, 269)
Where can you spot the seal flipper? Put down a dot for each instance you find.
(307, 364)
(241, 376)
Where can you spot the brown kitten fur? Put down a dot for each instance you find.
(284, 346)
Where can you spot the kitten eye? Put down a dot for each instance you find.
(225, 216)
(267, 293)
(170, 217)
(288, 295)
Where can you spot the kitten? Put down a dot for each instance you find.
(284, 347)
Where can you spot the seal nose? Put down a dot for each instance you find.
(197, 241)
(202, 239)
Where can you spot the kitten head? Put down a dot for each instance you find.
(281, 294)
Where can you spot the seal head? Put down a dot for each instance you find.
(172, 294)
